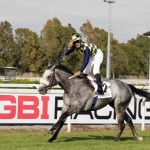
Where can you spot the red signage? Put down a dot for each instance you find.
(24, 107)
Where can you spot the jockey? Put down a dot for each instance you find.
(93, 57)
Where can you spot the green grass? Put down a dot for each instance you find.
(36, 140)
(23, 81)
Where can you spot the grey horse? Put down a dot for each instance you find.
(78, 97)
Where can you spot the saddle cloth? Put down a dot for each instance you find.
(106, 88)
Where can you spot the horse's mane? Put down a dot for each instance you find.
(64, 68)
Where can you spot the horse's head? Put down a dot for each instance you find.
(47, 80)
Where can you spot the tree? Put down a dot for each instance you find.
(137, 50)
(27, 47)
(89, 32)
(54, 41)
(7, 45)
(119, 60)
(31, 53)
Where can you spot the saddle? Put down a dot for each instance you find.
(106, 88)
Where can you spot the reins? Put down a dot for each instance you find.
(72, 77)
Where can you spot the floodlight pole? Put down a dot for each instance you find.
(148, 35)
(149, 67)
(109, 40)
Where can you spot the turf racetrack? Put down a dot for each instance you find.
(19, 139)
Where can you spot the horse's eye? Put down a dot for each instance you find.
(48, 77)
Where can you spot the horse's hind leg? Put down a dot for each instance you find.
(130, 123)
(120, 119)
(120, 112)
(121, 127)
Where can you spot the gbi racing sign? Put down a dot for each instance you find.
(38, 109)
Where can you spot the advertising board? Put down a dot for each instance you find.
(39, 109)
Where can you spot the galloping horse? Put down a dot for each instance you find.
(78, 97)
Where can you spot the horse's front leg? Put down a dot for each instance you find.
(51, 131)
(58, 126)
(57, 131)
(61, 121)
(64, 109)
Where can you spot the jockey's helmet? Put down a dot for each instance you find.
(76, 37)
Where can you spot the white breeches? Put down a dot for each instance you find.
(95, 62)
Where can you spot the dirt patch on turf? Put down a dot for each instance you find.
(103, 127)
(75, 128)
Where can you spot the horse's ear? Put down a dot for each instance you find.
(53, 67)
(49, 66)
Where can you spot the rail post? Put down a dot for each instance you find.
(143, 114)
(69, 123)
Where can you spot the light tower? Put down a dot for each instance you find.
(109, 40)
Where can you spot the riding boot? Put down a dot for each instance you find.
(99, 83)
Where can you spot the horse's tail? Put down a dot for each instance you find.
(139, 92)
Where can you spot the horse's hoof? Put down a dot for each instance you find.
(116, 140)
(50, 132)
(50, 141)
(140, 139)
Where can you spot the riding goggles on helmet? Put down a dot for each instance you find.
(76, 37)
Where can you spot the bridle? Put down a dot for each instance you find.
(48, 83)
(53, 76)
(51, 79)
